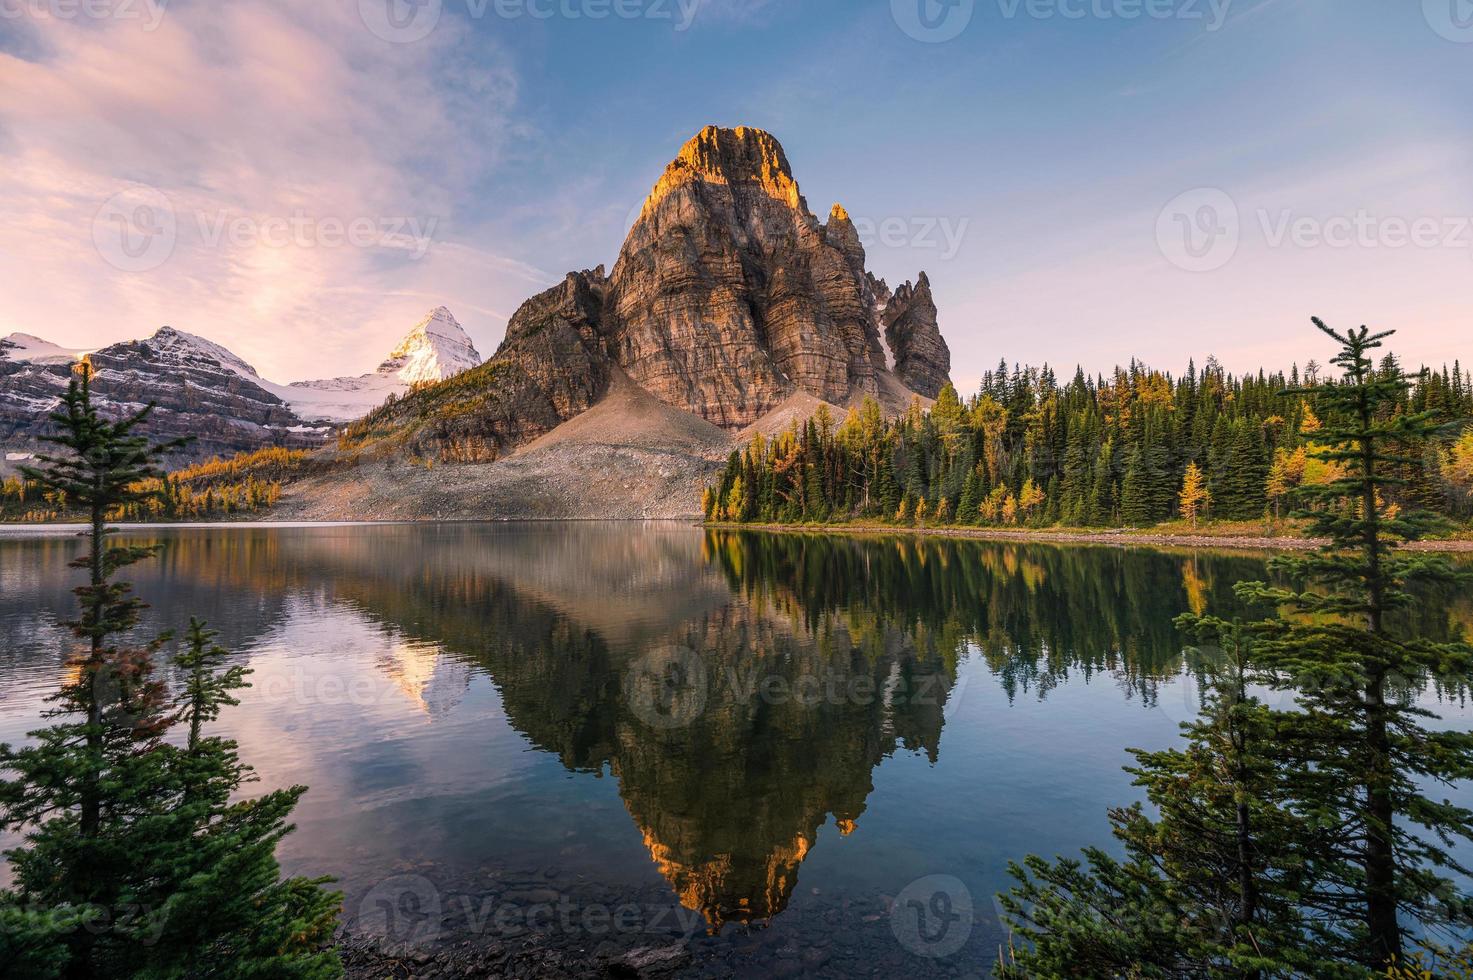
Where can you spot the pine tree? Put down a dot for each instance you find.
(966, 508)
(229, 912)
(1239, 490)
(1300, 842)
(1102, 493)
(97, 765)
(1335, 645)
(1135, 504)
(1210, 885)
(120, 852)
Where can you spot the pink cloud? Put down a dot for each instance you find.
(246, 116)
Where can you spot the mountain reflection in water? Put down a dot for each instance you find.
(744, 692)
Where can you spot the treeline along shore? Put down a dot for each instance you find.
(1205, 454)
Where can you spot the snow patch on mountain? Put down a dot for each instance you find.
(877, 312)
(33, 350)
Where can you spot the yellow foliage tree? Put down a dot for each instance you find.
(1010, 509)
(1284, 475)
(992, 507)
(736, 499)
(1194, 497)
(992, 419)
(1028, 499)
(1457, 466)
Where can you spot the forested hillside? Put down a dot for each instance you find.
(1093, 451)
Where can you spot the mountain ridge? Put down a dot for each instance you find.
(206, 391)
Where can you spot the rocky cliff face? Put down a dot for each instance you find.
(728, 297)
(921, 358)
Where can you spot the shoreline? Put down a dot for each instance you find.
(1113, 538)
(1110, 538)
(79, 527)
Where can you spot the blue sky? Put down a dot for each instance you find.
(1042, 166)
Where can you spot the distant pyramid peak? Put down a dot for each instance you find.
(435, 349)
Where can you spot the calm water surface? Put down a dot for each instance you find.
(623, 734)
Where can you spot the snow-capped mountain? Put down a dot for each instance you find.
(204, 390)
(200, 390)
(437, 348)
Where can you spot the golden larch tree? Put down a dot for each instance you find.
(1194, 497)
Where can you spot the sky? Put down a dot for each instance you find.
(1084, 181)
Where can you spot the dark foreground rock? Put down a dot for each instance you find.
(367, 958)
(552, 922)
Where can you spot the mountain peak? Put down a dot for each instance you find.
(435, 349)
(726, 256)
(743, 156)
(172, 339)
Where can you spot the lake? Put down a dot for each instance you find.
(610, 736)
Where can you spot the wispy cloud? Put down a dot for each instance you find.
(270, 130)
